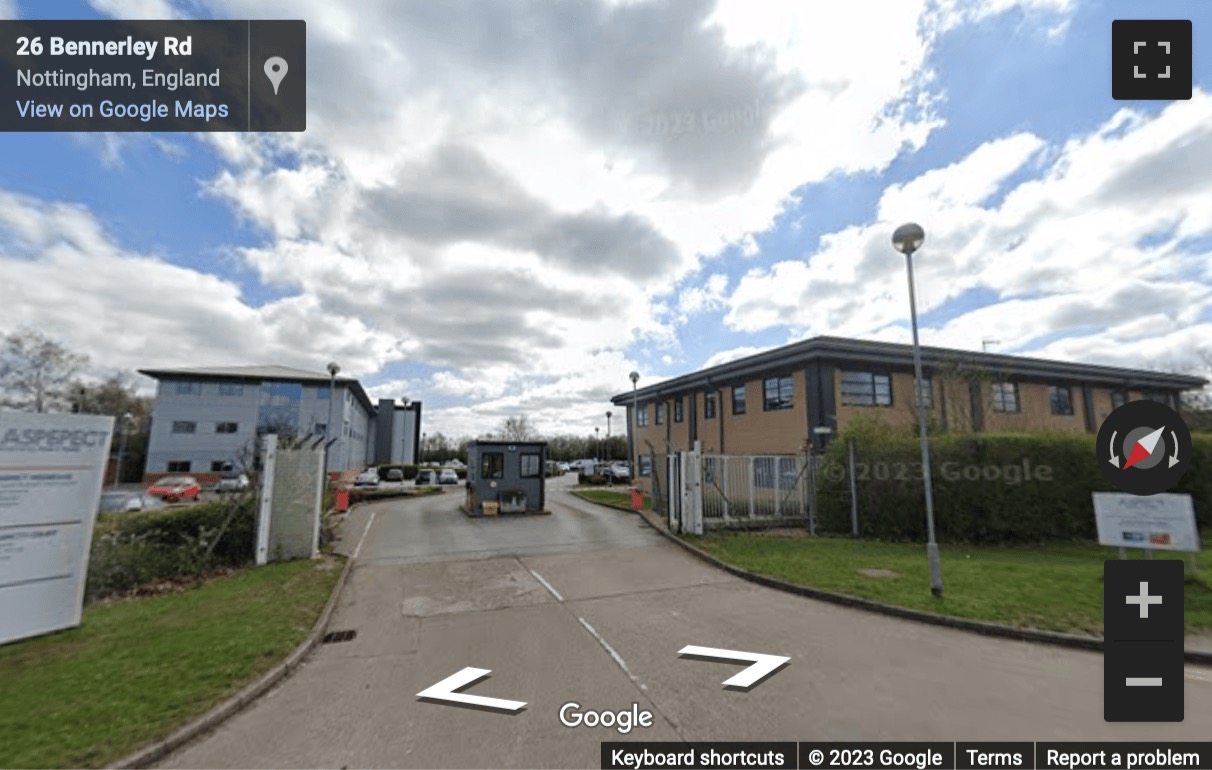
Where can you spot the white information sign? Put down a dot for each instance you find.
(51, 470)
(1164, 522)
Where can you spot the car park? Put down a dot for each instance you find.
(617, 472)
(427, 477)
(120, 502)
(448, 476)
(367, 478)
(231, 481)
(172, 489)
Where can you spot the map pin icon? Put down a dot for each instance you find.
(275, 70)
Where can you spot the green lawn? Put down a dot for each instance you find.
(1049, 587)
(136, 669)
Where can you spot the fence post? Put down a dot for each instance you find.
(696, 488)
(269, 466)
(749, 461)
(811, 491)
(854, 527)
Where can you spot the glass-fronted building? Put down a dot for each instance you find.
(205, 419)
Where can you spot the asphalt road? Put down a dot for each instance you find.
(590, 606)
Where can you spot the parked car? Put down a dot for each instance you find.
(172, 489)
(448, 476)
(120, 502)
(427, 477)
(367, 478)
(232, 482)
(395, 474)
(565, 467)
(617, 472)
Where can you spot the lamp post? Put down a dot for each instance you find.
(127, 419)
(332, 396)
(424, 441)
(631, 427)
(608, 415)
(907, 239)
(597, 445)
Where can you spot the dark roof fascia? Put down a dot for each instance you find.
(859, 352)
(494, 442)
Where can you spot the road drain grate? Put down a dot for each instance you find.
(332, 637)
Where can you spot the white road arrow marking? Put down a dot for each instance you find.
(763, 665)
(1114, 457)
(1174, 458)
(447, 691)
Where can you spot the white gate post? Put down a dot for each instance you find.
(749, 461)
(319, 514)
(268, 464)
(696, 489)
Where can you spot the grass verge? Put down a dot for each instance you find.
(136, 669)
(613, 499)
(1046, 587)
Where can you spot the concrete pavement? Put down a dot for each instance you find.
(590, 605)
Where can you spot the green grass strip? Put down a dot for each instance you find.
(137, 669)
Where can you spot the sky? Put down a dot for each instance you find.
(504, 208)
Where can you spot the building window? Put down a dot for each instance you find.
(321, 429)
(1118, 398)
(738, 399)
(866, 389)
(709, 406)
(323, 394)
(1005, 396)
(492, 465)
(182, 426)
(178, 466)
(660, 413)
(1061, 397)
(927, 392)
(228, 389)
(645, 465)
(189, 388)
(1160, 396)
(778, 392)
(641, 416)
(227, 427)
(216, 466)
(678, 415)
(529, 464)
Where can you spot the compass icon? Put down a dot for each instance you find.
(1143, 447)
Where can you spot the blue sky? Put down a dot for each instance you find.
(486, 226)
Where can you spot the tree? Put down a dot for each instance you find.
(117, 397)
(36, 372)
(516, 428)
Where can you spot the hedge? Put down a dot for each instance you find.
(988, 488)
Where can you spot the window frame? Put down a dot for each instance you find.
(742, 390)
(782, 401)
(179, 466)
(709, 410)
(232, 389)
(189, 388)
(235, 427)
(538, 463)
(178, 427)
(641, 415)
(1059, 409)
(999, 397)
(660, 413)
(679, 410)
(645, 465)
(869, 392)
(1120, 395)
(500, 465)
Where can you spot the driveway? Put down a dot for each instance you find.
(591, 606)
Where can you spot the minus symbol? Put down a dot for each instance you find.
(1143, 681)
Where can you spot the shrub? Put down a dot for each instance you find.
(988, 488)
(141, 548)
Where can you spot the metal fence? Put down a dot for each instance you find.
(718, 491)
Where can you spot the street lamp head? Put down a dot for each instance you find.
(609, 415)
(908, 238)
(333, 368)
(635, 377)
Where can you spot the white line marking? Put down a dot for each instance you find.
(617, 658)
(546, 585)
(365, 532)
(1143, 681)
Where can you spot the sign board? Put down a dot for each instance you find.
(51, 470)
(1163, 522)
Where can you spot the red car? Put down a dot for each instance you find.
(172, 489)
